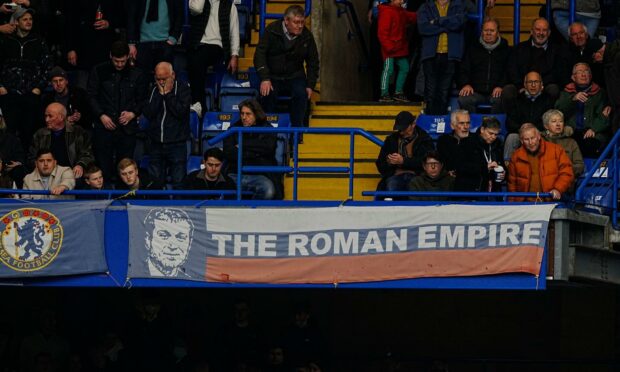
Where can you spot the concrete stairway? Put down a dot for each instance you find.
(333, 150)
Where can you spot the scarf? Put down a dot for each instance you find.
(153, 13)
(402, 145)
(490, 47)
(591, 89)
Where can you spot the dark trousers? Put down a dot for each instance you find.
(198, 60)
(171, 157)
(151, 53)
(438, 74)
(110, 146)
(23, 115)
(296, 88)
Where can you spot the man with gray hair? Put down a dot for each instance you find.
(167, 112)
(585, 108)
(539, 166)
(168, 240)
(583, 48)
(448, 143)
(279, 59)
(70, 144)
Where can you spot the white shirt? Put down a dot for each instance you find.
(212, 32)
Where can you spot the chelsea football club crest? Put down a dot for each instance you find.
(31, 239)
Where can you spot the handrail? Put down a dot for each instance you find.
(110, 193)
(264, 15)
(613, 149)
(458, 194)
(349, 9)
(352, 132)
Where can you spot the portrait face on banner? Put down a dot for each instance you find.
(168, 238)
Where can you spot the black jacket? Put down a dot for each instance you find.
(136, 9)
(422, 144)
(527, 111)
(111, 92)
(484, 70)
(258, 148)
(78, 101)
(472, 173)
(448, 147)
(24, 63)
(196, 181)
(168, 114)
(275, 60)
(92, 46)
(550, 63)
(577, 55)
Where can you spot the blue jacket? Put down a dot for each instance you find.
(431, 26)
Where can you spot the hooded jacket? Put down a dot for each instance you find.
(168, 114)
(392, 30)
(554, 167)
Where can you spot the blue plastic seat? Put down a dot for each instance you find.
(434, 125)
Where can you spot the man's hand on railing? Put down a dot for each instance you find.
(555, 194)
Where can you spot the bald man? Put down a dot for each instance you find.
(167, 111)
(70, 144)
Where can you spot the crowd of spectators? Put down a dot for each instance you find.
(79, 82)
(551, 90)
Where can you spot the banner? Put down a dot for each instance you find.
(335, 245)
(50, 239)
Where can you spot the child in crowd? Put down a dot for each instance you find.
(392, 27)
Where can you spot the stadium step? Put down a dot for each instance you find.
(503, 11)
(333, 150)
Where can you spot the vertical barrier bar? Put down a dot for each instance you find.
(614, 190)
(548, 11)
(517, 23)
(480, 15)
(295, 163)
(571, 12)
(308, 7)
(239, 156)
(351, 162)
(263, 13)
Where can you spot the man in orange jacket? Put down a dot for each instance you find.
(539, 166)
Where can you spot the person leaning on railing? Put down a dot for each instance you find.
(539, 166)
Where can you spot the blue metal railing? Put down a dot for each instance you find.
(460, 194)
(517, 17)
(296, 169)
(264, 16)
(600, 184)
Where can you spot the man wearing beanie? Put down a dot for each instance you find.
(402, 152)
(72, 97)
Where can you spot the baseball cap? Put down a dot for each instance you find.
(403, 120)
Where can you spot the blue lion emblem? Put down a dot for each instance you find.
(30, 238)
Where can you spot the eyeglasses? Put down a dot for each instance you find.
(533, 82)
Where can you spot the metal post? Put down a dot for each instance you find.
(263, 12)
(351, 163)
(239, 156)
(571, 12)
(517, 23)
(480, 15)
(295, 164)
(614, 190)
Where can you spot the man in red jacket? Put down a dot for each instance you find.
(391, 30)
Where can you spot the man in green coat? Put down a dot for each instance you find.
(586, 110)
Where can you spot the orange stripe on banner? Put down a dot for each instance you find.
(389, 266)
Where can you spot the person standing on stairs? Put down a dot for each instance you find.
(213, 37)
(392, 33)
(279, 60)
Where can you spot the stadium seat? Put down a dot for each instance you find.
(281, 121)
(214, 122)
(238, 87)
(434, 125)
